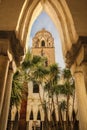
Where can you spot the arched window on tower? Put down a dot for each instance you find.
(31, 115)
(43, 43)
(35, 88)
(46, 63)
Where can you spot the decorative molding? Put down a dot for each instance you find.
(75, 50)
(17, 49)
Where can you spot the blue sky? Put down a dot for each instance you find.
(44, 21)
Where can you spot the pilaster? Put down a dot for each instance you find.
(81, 97)
(78, 52)
(6, 103)
(4, 64)
(11, 54)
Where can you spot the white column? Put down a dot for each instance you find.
(6, 103)
(4, 64)
(81, 98)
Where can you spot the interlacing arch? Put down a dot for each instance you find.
(60, 15)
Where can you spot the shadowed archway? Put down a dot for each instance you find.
(60, 15)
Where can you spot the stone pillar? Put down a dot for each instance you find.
(6, 103)
(10, 49)
(81, 98)
(4, 64)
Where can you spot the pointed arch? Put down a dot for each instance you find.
(35, 87)
(42, 43)
(54, 115)
(60, 15)
(38, 115)
(31, 115)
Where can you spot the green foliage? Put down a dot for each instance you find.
(63, 105)
(34, 69)
(27, 61)
(66, 73)
(31, 68)
(17, 88)
(54, 72)
(40, 72)
(69, 84)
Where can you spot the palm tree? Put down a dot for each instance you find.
(37, 72)
(50, 83)
(30, 69)
(68, 90)
(63, 107)
(17, 88)
(53, 88)
(34, 69)
(49, 75)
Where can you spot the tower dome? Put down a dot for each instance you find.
(43, 38)
(43, 45)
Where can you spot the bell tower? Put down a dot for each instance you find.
(43, 45)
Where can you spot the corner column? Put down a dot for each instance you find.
(4, 65)
(6, 103)
(81, 97)
(10, 51)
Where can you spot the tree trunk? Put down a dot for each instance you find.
(67, 112)
(59, 113)
(53, 115)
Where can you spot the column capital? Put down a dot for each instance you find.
(12, 67)
(5, 49)
(78, 53)
(78, 69)
(14, 46)
(82, 68)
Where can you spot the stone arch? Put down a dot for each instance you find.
(35, 87)
(54, 115)
(43, 43)
(60, 15)
(31, 115)
(38, 115)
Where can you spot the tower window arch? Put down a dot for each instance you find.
(43, 43)
(49, 43)
(46, 63)
(35, 88)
